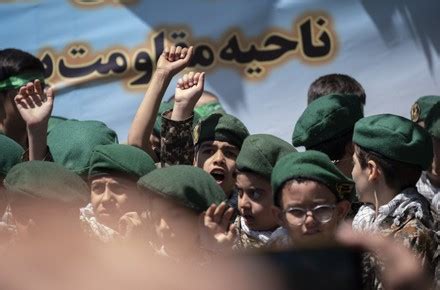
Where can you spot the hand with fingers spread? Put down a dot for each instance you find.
(35, 105)
(174, 59)
(216, 232)
(132, 227)
(188, 91)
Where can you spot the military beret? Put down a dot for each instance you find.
(45, 181)
(327, 118)
(422, 106)
(396, 138)
(313, 165)
(11, 153)
(53, 121)
(164, 106)
(120, 158)
(260, 152)
(187, 185)
(220, 127)
(432, 121)
(71, 143)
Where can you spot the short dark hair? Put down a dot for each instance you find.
(334, 148)
(398, 175)
(14, 61)
(335, 84)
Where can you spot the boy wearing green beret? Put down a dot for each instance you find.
(326, 125)
(115, 201)
(71, 143)
(45, 199)
(426, 113)
(178, 197)
(217, 138)
(312, 196)
(256, 224)
(390, 154)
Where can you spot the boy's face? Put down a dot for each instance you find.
(322, 213)
(218, 159)
(255, 201)
(175, 226)
(360, 177)
(112, 197)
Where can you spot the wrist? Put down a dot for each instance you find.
(163, 73)
(181, 111)
(36, 128)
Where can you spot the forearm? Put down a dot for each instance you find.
(177, 145)
(143, 122)
(37, 142)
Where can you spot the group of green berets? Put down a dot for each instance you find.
(380, 173)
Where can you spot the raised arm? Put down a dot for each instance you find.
(171, 62)
(177, 145)
(35, 107)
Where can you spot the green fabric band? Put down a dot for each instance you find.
(209, 108)
(16, 82)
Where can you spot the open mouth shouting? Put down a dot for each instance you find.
(218, 174)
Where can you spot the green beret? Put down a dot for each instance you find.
(220, 127)
(422, 106)
(120, 158)
(260, 152)
(53, 121)
(396, 138)
(71, 143)
(432, 121)
(46, 181)
(327, 118)
(313, 165)
(164, 106)
(11, 153)
(187, 185)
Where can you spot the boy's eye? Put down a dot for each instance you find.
(255, 194)
(208, 151)
(240, 192)
(98, 187)
(231, 154)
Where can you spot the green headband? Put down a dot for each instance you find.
(208, 109)
(16, 82)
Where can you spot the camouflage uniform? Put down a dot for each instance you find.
(406, 218)
(176, 141)
(245, 240)
(249, 239)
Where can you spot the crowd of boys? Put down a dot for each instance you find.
(193, 184)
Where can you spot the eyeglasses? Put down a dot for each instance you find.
(297, 215)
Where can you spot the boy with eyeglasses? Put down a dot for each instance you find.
(311, 197)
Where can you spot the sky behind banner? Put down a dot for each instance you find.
(260, 56)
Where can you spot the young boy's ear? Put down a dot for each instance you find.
(278, 215)
(343, 207)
